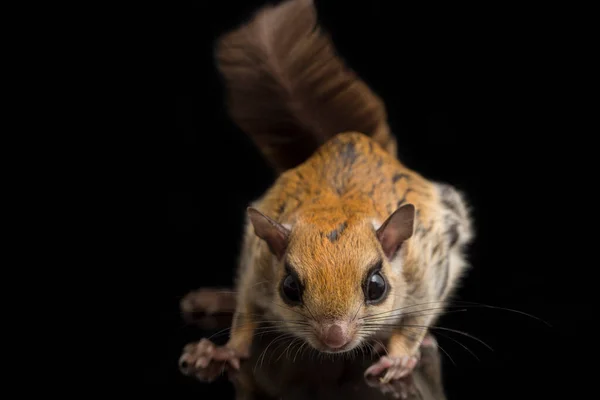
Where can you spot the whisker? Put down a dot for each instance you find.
(459, 343)
(465, 334)
(357, 310)
(446, 353)
(511, 310)
(244, 328)
(370, 349)
(279, 331)
(393, 323)
(287, 348)
(250, 325)
(382, 345)
(391, 318)
(219, 333)
(282, 343)
(299, 349)
(455, 331)
(374, 328)
(375, 317)
(278, 339)
(298, 345)
(362, 349)
(390, 311)
(263, 353)
(310, 312)
(282, 321)
(459, 303)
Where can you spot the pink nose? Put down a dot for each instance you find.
(335, 337)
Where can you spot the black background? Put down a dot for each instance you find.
(482, 98)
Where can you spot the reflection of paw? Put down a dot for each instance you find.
(392, 367)
(207, 301)
(400, 388)
(206, 361)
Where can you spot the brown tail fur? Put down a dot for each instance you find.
(288, 89)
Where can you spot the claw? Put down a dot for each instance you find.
(394, 367)
(206, 361)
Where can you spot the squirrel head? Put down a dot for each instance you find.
(338, 275)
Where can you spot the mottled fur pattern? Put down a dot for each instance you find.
(351, 182)
(338, 184)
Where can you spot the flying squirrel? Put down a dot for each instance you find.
(348, 248)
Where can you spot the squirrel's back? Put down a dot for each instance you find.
(289, 91)
(352, 172)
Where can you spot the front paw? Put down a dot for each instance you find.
(206, 361)
(392, 368)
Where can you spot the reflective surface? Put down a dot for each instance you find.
(277, 369)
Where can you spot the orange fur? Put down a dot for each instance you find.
(352, 181)
(339, 180)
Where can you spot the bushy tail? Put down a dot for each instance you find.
(288, 89)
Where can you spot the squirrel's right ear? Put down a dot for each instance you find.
(272, 232)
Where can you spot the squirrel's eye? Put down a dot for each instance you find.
(376, 287)
(291, 289)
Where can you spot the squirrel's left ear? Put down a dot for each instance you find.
(272, 232)
(396, 229)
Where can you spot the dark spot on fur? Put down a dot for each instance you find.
(372, 191)
(389, 208)
(421, 230)
(452, 234)
(443, 282)
(348, 152)
(412, 336)
(397, 177)
(450, 205)
(449, 198)
(294, 197)
(335, 234)
(403, 199)
(412, 290)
